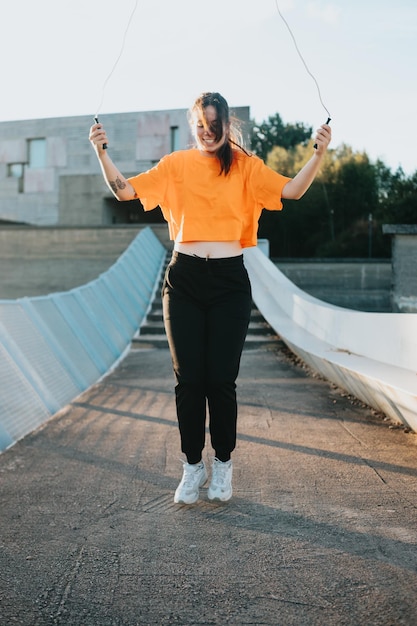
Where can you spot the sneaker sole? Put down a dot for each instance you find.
(219, 498)
(184, 502)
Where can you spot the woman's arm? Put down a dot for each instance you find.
(116, 182)
(297, 186)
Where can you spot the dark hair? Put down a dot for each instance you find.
(224, 121)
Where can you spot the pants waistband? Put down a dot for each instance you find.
(195, 261)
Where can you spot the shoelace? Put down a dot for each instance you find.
(219, 472)
(190, 475)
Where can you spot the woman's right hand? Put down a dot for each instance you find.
(98, 138)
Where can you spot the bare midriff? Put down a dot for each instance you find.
(209, 249)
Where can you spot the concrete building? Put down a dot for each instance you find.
(49, 174)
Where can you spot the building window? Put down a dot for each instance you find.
(36, 153)
(16, 170)
(175, 138)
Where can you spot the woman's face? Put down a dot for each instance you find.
(206, 137)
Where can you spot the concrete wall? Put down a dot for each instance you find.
(355, 284)
(42, 260)
(404, 263)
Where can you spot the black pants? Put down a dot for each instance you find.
(207, 305)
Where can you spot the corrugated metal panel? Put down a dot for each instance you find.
(54, 347)
(30, 351)
(21, 408)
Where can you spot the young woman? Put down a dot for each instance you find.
(212, 197)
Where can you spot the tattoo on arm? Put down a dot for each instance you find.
(117, 184)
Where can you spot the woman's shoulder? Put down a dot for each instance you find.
(171, 161)
(247, 160)
(180, 157)
(183, 155)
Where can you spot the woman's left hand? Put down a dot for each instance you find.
(323, 137)
(297, 186)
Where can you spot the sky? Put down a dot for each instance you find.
(58, 59)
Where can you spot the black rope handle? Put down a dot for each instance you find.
(329, 119)
(97, 122)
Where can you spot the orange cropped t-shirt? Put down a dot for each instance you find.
(201, 205)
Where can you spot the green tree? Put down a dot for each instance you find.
(398, 199)
(332, 218)
(273, 132)
(345, 207)
(353, 194)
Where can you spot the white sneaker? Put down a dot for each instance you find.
(193, 477)
(221, 481)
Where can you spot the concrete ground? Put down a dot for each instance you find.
(321, 529)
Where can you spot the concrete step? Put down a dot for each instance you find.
(155, 314)
(155, 327)
(159, 341)
(152, 333)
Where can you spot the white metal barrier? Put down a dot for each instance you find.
(54, 347)
(371, 355)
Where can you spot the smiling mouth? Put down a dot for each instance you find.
(209, 142)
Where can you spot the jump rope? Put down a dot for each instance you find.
(281, 16)
(115, 65)
(305, 65)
